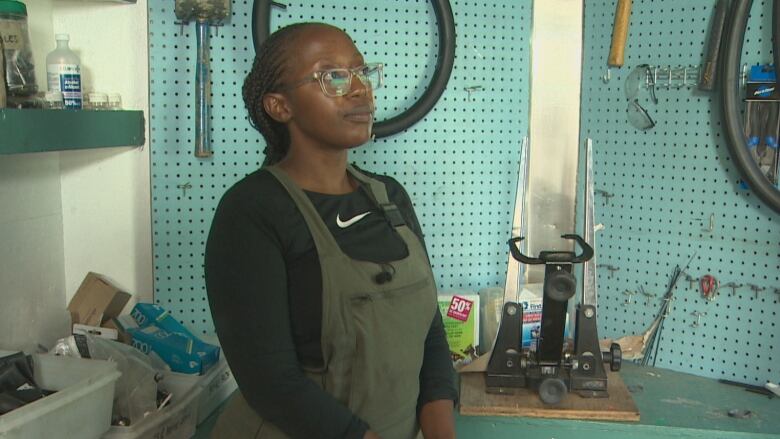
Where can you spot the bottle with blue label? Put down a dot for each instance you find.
(63, 71)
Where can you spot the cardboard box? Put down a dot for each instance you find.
(532, 299)
(460, 313)
(153, 329)
(184, 354)
(96, 301)
(149, 313)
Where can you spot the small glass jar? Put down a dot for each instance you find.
(52, 100)
(114, 101)
(19, 65)
(97, 101)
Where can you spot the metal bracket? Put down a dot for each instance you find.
(698, 315)
(611, 268)
(756, 289)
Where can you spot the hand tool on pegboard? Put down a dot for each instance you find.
(619, 35)
(205, 13)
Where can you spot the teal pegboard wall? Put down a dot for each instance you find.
(663, 187)
(459, 163)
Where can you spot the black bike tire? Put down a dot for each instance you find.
(732, 120)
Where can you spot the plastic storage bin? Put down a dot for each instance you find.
(177, 420)
(81, 408)
(217, 386)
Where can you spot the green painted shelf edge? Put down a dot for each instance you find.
(32, 130)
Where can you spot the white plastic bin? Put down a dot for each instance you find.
(218, 384)
(81, 408)
(177, 420)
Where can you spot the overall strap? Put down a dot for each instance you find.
(323, 239)
(377, 192)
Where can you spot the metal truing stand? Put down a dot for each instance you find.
(548, 369)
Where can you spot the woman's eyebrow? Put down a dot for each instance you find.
(331, 65)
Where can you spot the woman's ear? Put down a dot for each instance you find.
(276, 106)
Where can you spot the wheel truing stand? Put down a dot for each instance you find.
(548, 369)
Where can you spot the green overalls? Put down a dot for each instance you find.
(373, 332)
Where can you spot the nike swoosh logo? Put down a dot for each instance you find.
(349, 222)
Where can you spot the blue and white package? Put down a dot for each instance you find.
(531, 301)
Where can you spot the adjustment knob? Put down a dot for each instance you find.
(614, 357)
(552, 390)
(560, 286)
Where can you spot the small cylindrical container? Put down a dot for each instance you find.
(52, 100)
(97, 101)
(19, 65)
(114, 101)
(63, 72)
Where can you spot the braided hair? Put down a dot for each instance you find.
(266, 77)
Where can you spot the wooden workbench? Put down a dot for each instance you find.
(619, 406)
(671, 405)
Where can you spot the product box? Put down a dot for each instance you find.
(460, 313)
(96, 301)
(159, 332)
(761, 84)
(149, 313)
(531, 299)
(184, 354)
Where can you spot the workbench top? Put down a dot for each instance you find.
(671, 404)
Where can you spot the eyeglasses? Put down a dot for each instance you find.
(338, 82)
(637, 115)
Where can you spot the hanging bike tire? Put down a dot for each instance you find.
(732, 120)
(261, 27)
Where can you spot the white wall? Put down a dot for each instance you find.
(32, 278)
(105, 193)
(68, 213)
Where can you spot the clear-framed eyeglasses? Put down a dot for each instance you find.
(338, 82)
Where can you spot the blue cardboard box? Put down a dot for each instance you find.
(158, 331)
(149, 313)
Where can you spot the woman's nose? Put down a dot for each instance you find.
(357, 87)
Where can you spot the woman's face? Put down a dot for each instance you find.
(316, 119)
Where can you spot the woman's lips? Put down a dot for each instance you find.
(360, 117)
(362, 114)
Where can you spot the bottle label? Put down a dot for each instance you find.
(11, 33)
(66, 78)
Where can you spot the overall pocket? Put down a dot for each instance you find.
(390, 330)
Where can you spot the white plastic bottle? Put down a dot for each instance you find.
(63, 71)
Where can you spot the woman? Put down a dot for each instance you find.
(320, 288)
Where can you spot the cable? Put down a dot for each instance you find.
(261, 25)
(732, 119)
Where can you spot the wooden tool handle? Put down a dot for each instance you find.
(619, 33)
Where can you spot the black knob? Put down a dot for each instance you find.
(560, 286)
(552, 390)
(614, 357)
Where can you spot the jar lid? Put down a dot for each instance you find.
(97, 97)
(13, 7)
(53, 96)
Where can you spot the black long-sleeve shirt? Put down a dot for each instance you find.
(265, 290)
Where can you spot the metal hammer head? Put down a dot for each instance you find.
(210, 11)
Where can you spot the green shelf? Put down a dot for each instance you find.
(32, 130)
